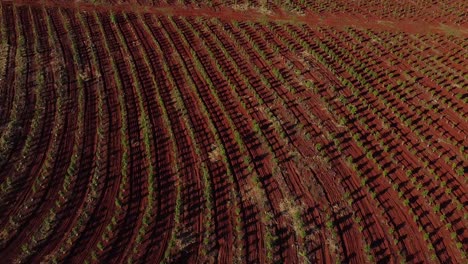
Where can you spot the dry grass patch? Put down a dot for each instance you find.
(293, 212)
(215, 154)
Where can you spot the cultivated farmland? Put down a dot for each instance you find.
(233, 131)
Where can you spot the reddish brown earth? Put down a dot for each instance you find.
(335, 19)
(215, 132)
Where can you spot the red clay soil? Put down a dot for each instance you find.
(16, 131)
(8, 93)
(204, 139)
(338, 20)
(84, 148)
(8, 172)
(272, 137)
(325, 180)
(48, 190)
(137, 172)
(381, 128)
(287, 165)
(257, 154)
(267, 137)
(393, 199)
(220, 126)
(145, 87)
(191, 188)
(64, 214)
(35, 135)
(187, 169)
(428, 132)
(131, 192)
(98, 211)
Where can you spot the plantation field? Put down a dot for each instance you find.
(233, 131)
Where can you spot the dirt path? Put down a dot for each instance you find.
(339, 20)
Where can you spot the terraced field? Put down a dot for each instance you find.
(233, 131)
